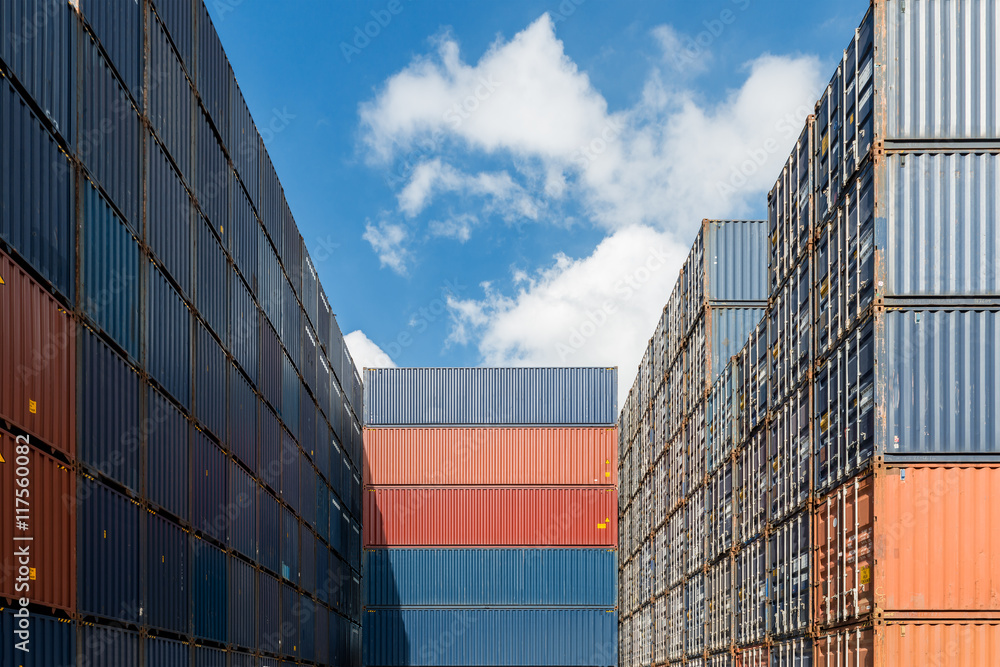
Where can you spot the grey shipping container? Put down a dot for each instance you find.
(490, 396)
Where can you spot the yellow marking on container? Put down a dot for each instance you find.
(31, 573)
(32, 407)
(601, 526)
(607, 474)
(865, 575)
(1, 280)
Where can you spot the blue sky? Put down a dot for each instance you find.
(482, 182)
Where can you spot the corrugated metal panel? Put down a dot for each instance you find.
(291, 248)
(270, 364)
(291, 324)
(168, 217)
(271, 202)
(310, 289)
(735, 260)
(310, 357)
(170, 100)
(289, 395)
(210, 590)
(50, 642)
(110, 272)
(245, 333)
(490, 637)
(213, 278)
(168, 339)
(245, 234)
(307, 628)
(205, 656)
(938, 556)
(110, 143)
(500, 456)
(167, 450)
(38, 47)
(790, 573)
(237, 659)
(51, 520)
(102, 646)
(307, 422)
(269, 466)
(178, 17)
(289, 646)
(900, 644)
(37, 360)
(214, 72)
(491, 517)
(242, 510)
(213, 178)
(730, 329)
(269, 274)
(108, 553)
(494, 396)
(289, 546)
(289, 470)
(322, 635)
(168, 575)
(269, 531)
(166, 653)
(242, 604)
(244, 143)
(210, 370)
(941, 218)
(268, 613)
(490, 578)
(930, 96)
(242, 429)
(209, 473)
(36, 193)
(109, 412)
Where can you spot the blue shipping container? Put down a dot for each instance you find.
(103, 646)
(491, 578)
(167, 459)
(51, 643)
(167, 653)
(168, 584)
(490, 396)
(210, 590)
(107, 552)
(490, 637)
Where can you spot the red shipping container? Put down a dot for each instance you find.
(919, 540)
(37, 360)
(502, 456)
(910, 643)
(51, 523)
(496, 517)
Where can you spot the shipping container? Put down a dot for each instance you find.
(213, 178)
(242, 604)
(490, 396)
(791, 215)
(168, 337)
(490, 637)
(491, 456)
(178, 17)
(161, 652)
(244, 328)
(912, 541)
(211, 368)
(36, 193)
(37, 360)
(168, 575)
(104, 646)
(435, 516)
(50, 642)
(242, 428)
(107, 553)
(167, 455)
(169, 230)
(170, 100)
(789, 553)
(897, 643)
(50, 524)
(209, 487)
(241, 510)
(727, 263)
(210, 590)
(214, 72)
(434, 577)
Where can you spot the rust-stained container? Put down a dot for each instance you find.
(919, 541)
(491, 517)
(51, 522)
(37, 360)
(948, 643)
(499, 456)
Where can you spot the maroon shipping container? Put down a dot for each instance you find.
(37, 360)
(50, 523)
(444, 516)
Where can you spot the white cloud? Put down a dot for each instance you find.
(388, 241)
(458, 227)
(434, 177)
(365, 353)
(599, 310)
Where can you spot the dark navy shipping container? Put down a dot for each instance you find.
(162, 652)
(245, 324)
(119, 28)
(169, 218)
(241, 434)
(213, 178)
(103, 646)
(168, 337)
(167, 461)
(490, 578)
(269, 468)
(289, 546)
(269, 531)
(170, 100)
(212, 285)
(290, 614)
(168, 575)
(108, 411)
(268, 614)
(107, 552)
(210, 370)
(214, 73)
(51, 643)
(491, 637)
(243, 607)
(36, 193)
(490, 396)
(209, 471)
(271, 367)
(242, 510)
(110, 272)
(210, 590)
(206, 656)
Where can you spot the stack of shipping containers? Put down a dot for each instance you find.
(490, 512)
(673, 565)
(176, 394)
(861, 414)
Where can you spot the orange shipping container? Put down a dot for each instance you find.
(909, 542)
(502, 456)
(459, 517)
(911, 643)
(37, 360)
(50, 523)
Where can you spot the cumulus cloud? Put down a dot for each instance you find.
(388, 241)
(458, 227)
(498, 188)
(365, 353)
